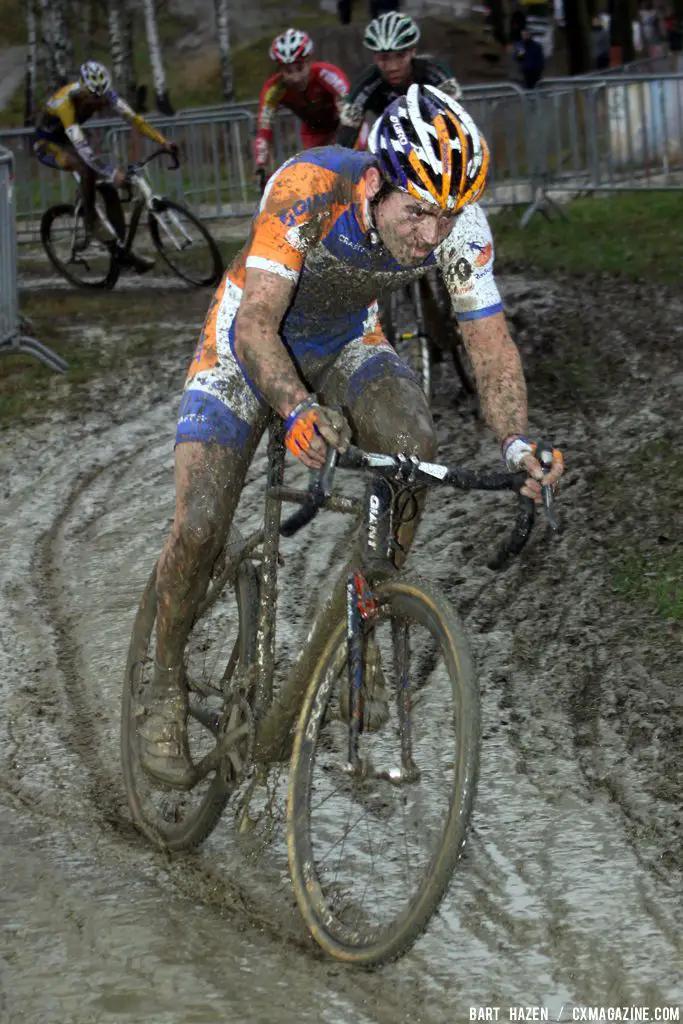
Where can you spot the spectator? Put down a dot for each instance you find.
(517, 24)
(531, 59)
(599, 44)
(344, 11)
(378, 7)
(674, 32)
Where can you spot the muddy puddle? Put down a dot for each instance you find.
(570, 890)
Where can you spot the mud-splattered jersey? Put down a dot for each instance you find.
(372, 94)
(313, 227)
(71, 106)
(318, 105)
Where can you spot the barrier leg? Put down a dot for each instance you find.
(22, 344)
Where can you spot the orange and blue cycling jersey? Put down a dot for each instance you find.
(314, 228)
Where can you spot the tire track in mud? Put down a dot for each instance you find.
(556, 899)
(194, 877)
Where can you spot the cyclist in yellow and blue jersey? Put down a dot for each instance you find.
(60, 142)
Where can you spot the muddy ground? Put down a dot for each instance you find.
(570, 891)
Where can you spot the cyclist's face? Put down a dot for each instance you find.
(295, 76)
(411, 229)
(395, 68)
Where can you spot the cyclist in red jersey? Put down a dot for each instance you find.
(312, 90)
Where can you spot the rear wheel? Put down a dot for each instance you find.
(221, 644)
(63, 232)
(371, 853)
(408, 338)
(185, 244)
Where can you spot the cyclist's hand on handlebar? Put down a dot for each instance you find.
(521, 454)
(172, 148)
(311, 428)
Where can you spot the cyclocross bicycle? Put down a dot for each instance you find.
(183, 242)
(383, 702)
(422, 328)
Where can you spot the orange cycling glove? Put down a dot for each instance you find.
(309, 420)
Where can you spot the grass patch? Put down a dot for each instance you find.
(656, 581)
(646, 557)
(635, 235)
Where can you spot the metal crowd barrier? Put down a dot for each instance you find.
(12, 339)
(567, 136)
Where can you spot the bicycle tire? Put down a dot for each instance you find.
(192, 832)
(46, 223)
(414, 349)
(450, 334)
(412, 598)
(218, 267)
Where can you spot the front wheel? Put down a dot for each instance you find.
(63, 233)
(185, 244)
(372, 851)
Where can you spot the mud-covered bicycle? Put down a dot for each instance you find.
(419, 323)
(369, 800)
(182, 241)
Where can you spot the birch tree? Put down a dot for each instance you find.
(56, 40)
(156, 59)
(31, 64)
(223, 33)
(119, 23)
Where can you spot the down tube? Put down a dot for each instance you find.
(273, 731)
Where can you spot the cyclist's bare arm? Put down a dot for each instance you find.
(498, 369)
(265, 300)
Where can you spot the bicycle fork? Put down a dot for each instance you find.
(361, 610)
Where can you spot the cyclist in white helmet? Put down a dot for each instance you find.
(61, 143)
(393, 39)
(313, 90)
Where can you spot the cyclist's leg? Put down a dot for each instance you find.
(219, 425)
(385, 404)
(388, 412)
(63, 157)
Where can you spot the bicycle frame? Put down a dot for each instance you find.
(147, 201)
(274, 717)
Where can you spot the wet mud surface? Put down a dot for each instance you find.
(570, 890)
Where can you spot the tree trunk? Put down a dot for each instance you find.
(577, 29)
(223, 32)
(31, 64)
(120, 43)
(497, 20)
(622, 16)
(56, 42)
(155, 59)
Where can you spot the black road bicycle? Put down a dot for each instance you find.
(378, 807)
(182, 241)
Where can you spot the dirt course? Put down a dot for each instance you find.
(570, 890)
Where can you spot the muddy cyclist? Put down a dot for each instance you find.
(293, 328)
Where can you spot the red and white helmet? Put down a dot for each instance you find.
(291, 45)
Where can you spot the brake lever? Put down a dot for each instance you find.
(544, 454)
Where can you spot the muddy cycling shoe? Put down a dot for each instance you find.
(161, 729)
(141, 264)
(375, 693)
